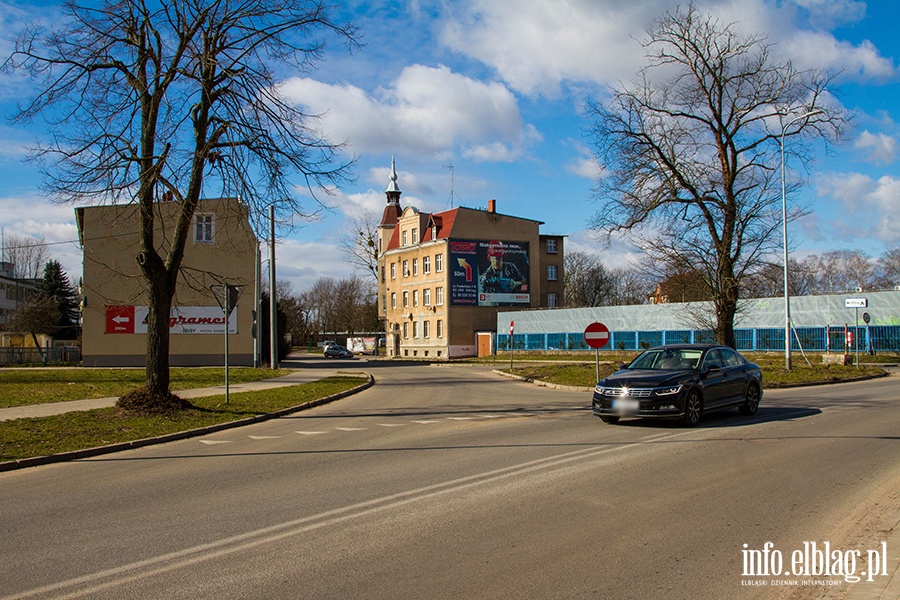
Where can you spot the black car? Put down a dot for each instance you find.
(682, 381)
(336, 351)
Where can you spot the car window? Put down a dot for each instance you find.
(730, 358)
(713, 359)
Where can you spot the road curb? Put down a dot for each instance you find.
(538, 382)
(181, 435)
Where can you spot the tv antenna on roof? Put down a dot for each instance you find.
(450, 166)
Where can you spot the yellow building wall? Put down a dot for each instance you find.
(112, 278)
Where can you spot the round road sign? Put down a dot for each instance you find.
(596, 335)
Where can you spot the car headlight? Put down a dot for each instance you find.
(667, 391)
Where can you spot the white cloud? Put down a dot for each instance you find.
(879, 148)
(873, 204)
(36, 217)
(427, 111)
(539, 46)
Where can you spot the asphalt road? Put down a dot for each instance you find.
(452, 482)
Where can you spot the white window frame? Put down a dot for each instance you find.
(552, 300)
(415, 265)
(439, 296)
(393, 299)
(426, 265)
(426, 329)
(438, 263)
(551, 247)
(405, 299)
(415, 297)
(204, 228)
(552, 273)
(440, 328)
(426, 297)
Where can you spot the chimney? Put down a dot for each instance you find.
(492, 206)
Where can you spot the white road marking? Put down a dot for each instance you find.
(351, 428)
(264, 437)
(211, 442)
(390, 425)
(311, 432)
(425, 422)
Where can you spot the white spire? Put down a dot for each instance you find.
(392, 187)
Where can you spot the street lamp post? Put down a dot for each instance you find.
(787, 296)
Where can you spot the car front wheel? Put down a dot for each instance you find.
(693, 409)
(751, 400)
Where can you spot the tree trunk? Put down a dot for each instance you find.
(160, 308)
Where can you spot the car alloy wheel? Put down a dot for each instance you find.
(693, 408)
(751, 400)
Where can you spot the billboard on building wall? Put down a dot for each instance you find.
(182, 319)
(489, 273)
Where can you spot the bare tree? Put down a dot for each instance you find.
(151, 101)
(361, 241)
(586, 281)
(37, 315)
(692, 155)
(887, 272)
(27, 255)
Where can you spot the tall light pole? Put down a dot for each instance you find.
(787, 296)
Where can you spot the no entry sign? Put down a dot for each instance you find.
(596, 335)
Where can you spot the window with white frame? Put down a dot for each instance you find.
(551, 272)
(406, 268)
(405, 239)
(204, 229)
(551, 246)
(440, 328)
(426, 264)
(415, 297)
(405, 330)
(415, 329)
(393, 270)
(439, 296)
(415, 236)
(415, 270)
(393, 299)
(426, 296)
(426, 329)
(405, 299)
(439, 263)
(552, 300)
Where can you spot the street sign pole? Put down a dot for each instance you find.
(596, 335)
(227, 296)
(512, 328)
(227, 314)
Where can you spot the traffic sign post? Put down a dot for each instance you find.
(227, 297)
(512, 328)
(856, 304)
(596, 335)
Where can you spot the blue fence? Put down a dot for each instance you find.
(880, 338)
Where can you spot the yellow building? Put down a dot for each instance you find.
(221, 249)
(444, 276)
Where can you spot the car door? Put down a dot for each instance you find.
(714, 379)
(735, 375)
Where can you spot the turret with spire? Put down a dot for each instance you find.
(393, 210)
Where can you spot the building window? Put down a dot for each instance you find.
(439, 296)
(439, 263)
(552, 300)
(426, 265)
(204, 232)
(415, 270)
(406, 268)
(393, 270)
(551, 246)
(426, 296)
(440, 328)
(426, 329)
(551, 272)
(406, 331)
(404, 237)
(415, 329)
(405, 299)
(415, 297)
(382, 273)
(393, 299)
(415, 236)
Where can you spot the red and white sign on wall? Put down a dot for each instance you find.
(596, 335)
(183, 319)
(119, 319)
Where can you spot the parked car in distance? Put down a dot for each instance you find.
(683, 381)
(336, 351)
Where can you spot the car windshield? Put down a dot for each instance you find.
(667, 359)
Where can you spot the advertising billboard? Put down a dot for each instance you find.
(489, 273)
(183, 319)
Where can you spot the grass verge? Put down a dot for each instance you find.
(19, 387)
(26, 438)
(583, 374)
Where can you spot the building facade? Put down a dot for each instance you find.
(221, 249)
(14, 291)
(443, 276)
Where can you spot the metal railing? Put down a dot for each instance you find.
(875, 338)
(69, 355)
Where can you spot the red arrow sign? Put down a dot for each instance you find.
(596, 335)
(119, 319)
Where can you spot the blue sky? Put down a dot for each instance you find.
(496, 88)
